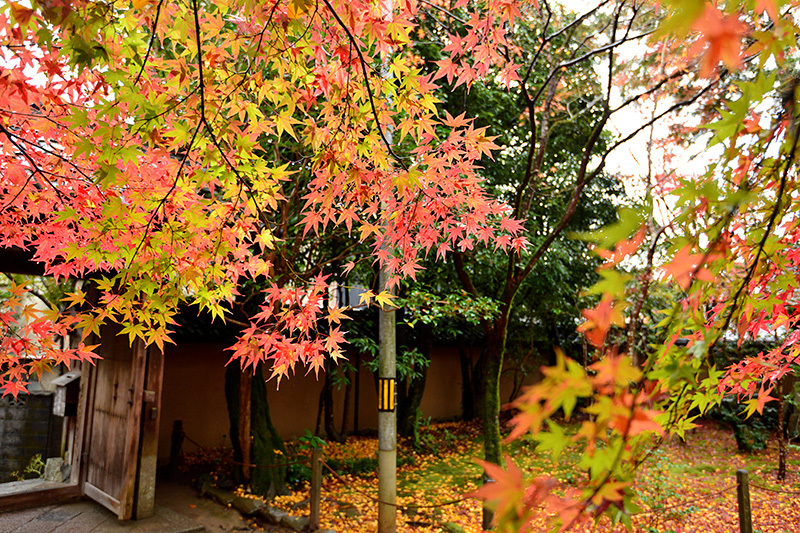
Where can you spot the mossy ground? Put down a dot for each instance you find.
(684, 487)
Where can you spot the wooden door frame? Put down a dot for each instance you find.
(123, 505)
(144, 501)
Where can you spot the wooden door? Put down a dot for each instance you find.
(113, 423)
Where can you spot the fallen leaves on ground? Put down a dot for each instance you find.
(683, 488)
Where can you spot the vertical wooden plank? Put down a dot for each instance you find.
(79, 443)
(133, 429)
(109, 409)
(103, 431)
(148, 451)
(743, 497)
(82, 441)
(91, 422)
(316, 488)
(113, 423)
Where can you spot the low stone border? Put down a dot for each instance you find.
(257, 509)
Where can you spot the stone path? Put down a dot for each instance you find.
(179, 509)
(89, 517)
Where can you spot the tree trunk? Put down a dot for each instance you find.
(346, 403)
(267, 444)
(491, 401)
(480, 380)
(468, 411)
(262, 436)
(232, 385)
(245, 420)
(493, 365)
(408, 406)
(327, 405)
(357, 392)
(320, 407)
(408, 410)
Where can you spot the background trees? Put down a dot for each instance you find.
(556, 131)
(720, 239)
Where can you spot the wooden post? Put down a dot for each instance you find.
(175, 450)
(743, 497)
(316, 487)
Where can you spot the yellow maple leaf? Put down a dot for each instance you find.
(384, 299)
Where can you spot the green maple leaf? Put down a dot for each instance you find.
(555, 440)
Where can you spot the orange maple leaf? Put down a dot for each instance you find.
(622, 249)
(640, 421)
(769, 6)
(600, 319)
(337, 314)
(612, 491)
(720, 40)
(21, 14)
(757, 404)
(506, 489)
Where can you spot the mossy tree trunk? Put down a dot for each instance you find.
(266, 446)
(490, 406)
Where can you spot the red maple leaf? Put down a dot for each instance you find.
(506, 488)
(686, 266)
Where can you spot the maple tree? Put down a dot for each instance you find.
(137, 147)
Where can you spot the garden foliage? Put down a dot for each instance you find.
(137, 147)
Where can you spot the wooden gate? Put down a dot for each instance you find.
(122, 397)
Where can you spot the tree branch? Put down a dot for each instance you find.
(364, 70)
